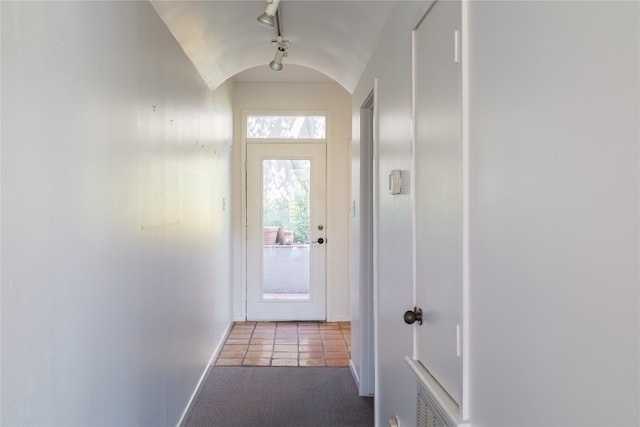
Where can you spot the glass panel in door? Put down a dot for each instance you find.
(286, 253)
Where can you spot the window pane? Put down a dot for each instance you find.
(287, 127)
(285, 214)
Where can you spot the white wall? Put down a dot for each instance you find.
(391, 66)
(115, 244)
(336, 100)
(554, 137)
(554, 134)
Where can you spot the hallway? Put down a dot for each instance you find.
(287, 344)
(512, 222)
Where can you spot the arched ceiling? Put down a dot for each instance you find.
(223, 38)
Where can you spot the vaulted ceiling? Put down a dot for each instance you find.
(223, 38)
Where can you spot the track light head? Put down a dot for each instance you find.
(266, 19)
(276, 64)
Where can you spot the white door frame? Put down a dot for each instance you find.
(367, 234)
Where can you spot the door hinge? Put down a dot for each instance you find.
(456, 46)
(458, 343)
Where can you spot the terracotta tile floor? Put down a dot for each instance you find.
(287, 344)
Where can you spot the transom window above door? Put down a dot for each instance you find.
(287, 126)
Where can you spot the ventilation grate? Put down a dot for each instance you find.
(428, 414)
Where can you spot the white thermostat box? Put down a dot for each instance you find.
(395, 181)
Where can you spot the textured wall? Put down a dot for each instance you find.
(554, 133)
(115, 238)
(391, 66)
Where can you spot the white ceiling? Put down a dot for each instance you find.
(329, 39)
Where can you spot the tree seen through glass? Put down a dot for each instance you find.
(287, 127)
(286, 185)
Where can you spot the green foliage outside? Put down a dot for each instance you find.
(286, 196)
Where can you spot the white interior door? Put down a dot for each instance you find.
(438, 194)
(286, 233)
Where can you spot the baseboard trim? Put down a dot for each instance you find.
(354, 373)
(340, 318)
(204, 375)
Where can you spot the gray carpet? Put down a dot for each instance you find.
(279, 397)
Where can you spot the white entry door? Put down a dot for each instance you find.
(286, 231)
(438, 194)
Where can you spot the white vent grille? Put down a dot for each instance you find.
(429, 413)
(435, 408)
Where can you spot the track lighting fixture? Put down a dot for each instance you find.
(266, 19)
(276, 64)
(281, 52)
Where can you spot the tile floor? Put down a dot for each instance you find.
(287, 344)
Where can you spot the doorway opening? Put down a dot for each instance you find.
(367, 245)
(285, 217)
